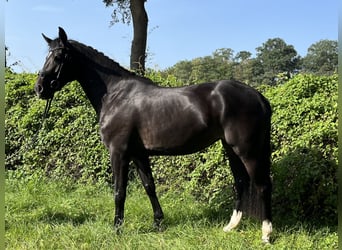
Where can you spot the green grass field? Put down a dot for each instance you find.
(45, 214)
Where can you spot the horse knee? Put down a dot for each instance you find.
(119, 197)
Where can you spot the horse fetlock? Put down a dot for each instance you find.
(266, 231)
(118, 225)
(158, 225)
(234, 221)
(118, 221)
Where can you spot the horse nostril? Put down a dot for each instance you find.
(39, 89)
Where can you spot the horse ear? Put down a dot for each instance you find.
(48, 40)
(62, 35)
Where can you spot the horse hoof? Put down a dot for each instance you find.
(118, 230)
(159, 226)
(266, 241)
(118, 227)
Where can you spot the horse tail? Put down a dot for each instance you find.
(258, 196)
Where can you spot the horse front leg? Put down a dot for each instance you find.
(120, 179)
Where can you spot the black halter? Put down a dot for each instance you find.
(54, 84)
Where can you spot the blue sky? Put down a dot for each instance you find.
(178, 29)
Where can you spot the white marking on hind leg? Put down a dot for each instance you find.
(234, 221)
(266, 231)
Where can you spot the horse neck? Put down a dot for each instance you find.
(97, 77)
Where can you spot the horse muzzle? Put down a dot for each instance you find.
(46, 91)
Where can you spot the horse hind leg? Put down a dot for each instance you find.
(145, 173)
(253, 188)
(241, 186)
(261, 188)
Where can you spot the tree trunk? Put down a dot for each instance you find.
(138, 49)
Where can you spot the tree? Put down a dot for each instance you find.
(133, 10)
(182, 71)
(321, 58)
(223, 54)
(277, 57)
(242, 56)
(219, 65)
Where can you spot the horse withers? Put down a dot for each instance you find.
(138, 118)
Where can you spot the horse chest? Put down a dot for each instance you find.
(116, 124)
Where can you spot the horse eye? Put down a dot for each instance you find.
(58, 58)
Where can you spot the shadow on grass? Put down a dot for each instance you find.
(304, 195)
(66, 218)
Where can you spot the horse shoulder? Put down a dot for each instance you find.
(117, 113)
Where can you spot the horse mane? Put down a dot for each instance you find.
(100, 59)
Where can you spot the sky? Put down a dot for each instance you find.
(177, 30)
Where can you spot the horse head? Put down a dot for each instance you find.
(56, 72)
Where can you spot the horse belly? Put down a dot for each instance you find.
(177, 141)
(193, 145)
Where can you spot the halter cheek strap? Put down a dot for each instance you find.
(55, 84)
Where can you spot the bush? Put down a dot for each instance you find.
(304, 141)
(67, 145)
(304, 138)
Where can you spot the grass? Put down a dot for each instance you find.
(46, 214)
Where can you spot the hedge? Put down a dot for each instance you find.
(304, 145)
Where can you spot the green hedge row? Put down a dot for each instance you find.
(304, 143)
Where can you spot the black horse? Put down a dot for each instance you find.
(139, 118)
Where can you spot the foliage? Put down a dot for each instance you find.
(304, 139)
(205, 174)
(121, 11)
(275, 61)
(275, 56)
(305, 147)
(205, 69)
(322, 58)
(67, 144)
